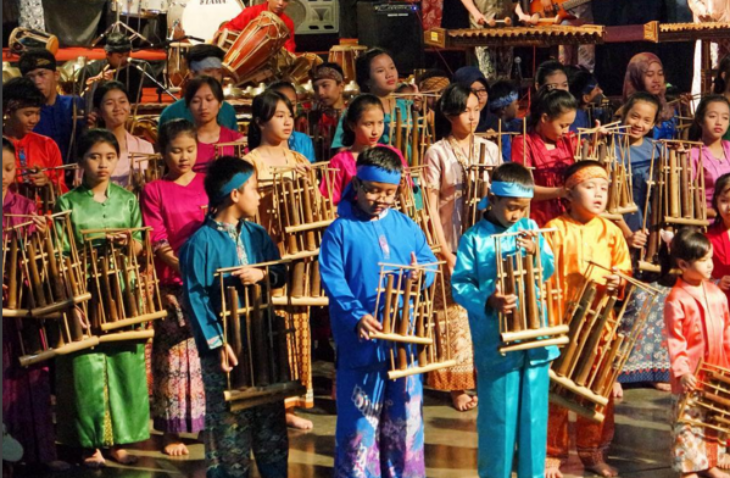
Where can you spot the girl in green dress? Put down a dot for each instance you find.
(102, 397)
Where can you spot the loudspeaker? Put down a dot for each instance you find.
(396, 27)
(313, 16)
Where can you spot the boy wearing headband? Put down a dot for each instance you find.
(379, 421)
(203, 60)
(503, 107)
(583, 235)
(512, 388)
(227, 239)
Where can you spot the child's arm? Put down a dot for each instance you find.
(343, 303)
(674, 317)
(198, 277)
(479, 18)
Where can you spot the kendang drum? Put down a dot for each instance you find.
(225, 38)
(24, 39)
(177, 66)
(345, 56)
(299, 70)
(256, 45)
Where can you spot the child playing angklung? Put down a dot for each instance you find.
(582, 235)
(227, 239)
(173, 207)
(698, 323)
(447, 162)
(548, 148)
(710, 124)
(379, 421)
(512, 388)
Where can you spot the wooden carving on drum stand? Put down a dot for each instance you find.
(263, 340)
(126, 293)
(405, 309)
(613, 154)
(582, 377)
(520, 273)
(712, 394)
(675, 198)
(45, 289)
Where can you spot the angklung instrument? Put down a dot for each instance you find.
(418, 343)
(125, 289)
(417, 206)
(675, 198)
(263, 340)
(45, 292)
(612, 151)
(521, 273)
(711, 394)
(582, 377)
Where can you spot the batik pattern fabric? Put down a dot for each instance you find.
(31, 15)
(649, 361)
(230, 437)
(178, 397)
(379, 425)
(592, 439)
(695, 448)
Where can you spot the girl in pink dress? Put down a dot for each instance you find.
(204, 97)
(174, 208)
(710, 124)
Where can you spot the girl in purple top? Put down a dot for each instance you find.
(174, 208)
(204, 98)
(710, 125)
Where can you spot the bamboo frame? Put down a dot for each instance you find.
(125, 289)
(582, 377)
(712, 394)
(46, 293)
(520, 273)
(423, 215)
(418, 342)
(261, 334)
(676, 197)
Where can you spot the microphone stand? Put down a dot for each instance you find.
(160, 87)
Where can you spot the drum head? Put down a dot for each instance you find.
(203, 21)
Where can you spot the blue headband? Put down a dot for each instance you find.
(378, 174)
(503, 102)
(506, 190)
(590, 86)
(238, 180)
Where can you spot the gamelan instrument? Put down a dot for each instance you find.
(24, 39)
(712, 394)
(345, 56)
(520, 273)
(412, 201)
(144, 168)
(582, 378)
(124, 286)
(255, 46)
(612, 151)
(178, 70)
(405, 308)
(262, 338)
(675, 198)
(558, 8)
(298, 72)
(541, 36)
(45, 289)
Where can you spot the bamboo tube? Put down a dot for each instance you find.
(674, 185)
(110, 304)
(404, 322)
(238, 376)
(284, 371)
(398, 129)
(388, 304)
(564, 362)
(533, 312)
(416, 141)
(259, 343)
(297, 284)
(308, 215)
(590, 350)
(39, 295)
(55, 279)
(513, 319)
(316, 282)
(13, 280)
(291, 207)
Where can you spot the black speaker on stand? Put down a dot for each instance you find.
(395, 26)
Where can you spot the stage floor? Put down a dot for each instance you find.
(640, 448)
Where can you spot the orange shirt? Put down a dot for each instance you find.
(574, 244)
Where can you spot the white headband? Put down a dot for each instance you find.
(206, 63)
